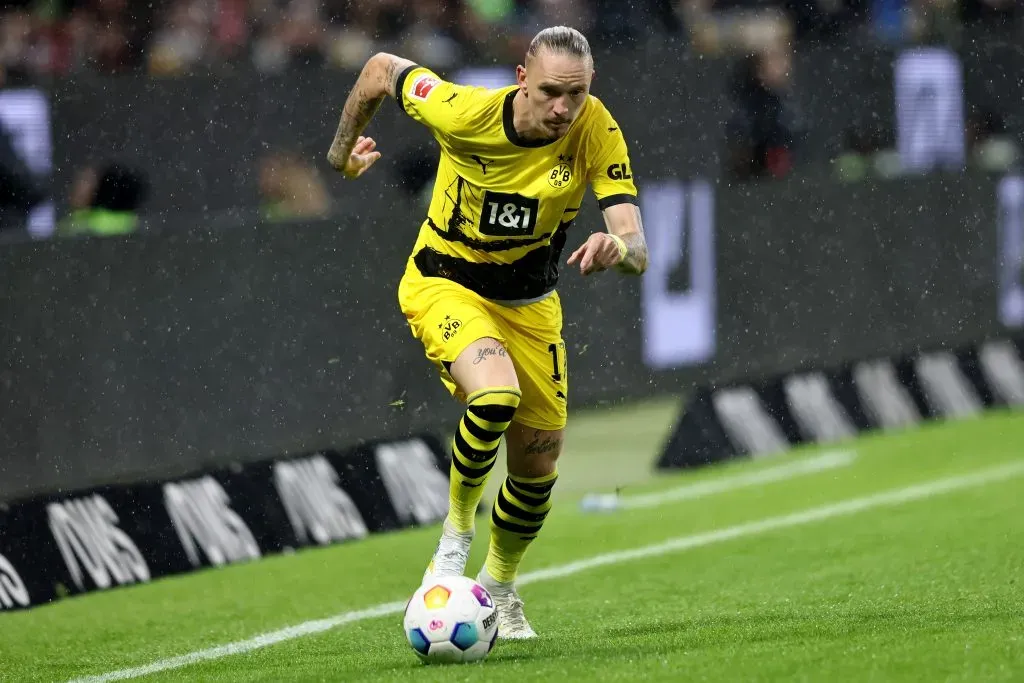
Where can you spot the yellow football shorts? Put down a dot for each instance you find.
(446, 317)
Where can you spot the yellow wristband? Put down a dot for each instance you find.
(621, 244)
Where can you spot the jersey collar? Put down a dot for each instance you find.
(507, 120)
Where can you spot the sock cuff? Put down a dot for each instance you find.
(506, 396)
(535, 481)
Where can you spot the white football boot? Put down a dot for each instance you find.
(512, 623)
(451, 554)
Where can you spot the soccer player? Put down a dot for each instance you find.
(479, 286)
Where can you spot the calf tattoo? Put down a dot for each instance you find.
(537, 446)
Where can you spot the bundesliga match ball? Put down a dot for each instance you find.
(451, 619)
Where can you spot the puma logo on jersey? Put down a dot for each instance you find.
(449, 100)
(483, 162)
(613, 129)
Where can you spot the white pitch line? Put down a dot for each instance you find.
(820, 463)
(849, 507)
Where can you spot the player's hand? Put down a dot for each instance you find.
(362, 157)
(599, 253)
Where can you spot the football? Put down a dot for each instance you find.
(451, 619)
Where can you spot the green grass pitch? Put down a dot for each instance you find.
(925, 588)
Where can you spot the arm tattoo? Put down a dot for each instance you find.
(391, 78)
(359, 109)
(362, 103)
(635, 262)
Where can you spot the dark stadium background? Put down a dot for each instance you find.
(189, 289)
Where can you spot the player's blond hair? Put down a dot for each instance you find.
(561, 40)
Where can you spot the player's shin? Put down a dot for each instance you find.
(474, 450)
(519, 511)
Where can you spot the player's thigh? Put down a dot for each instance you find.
(459, 334)
(483, 364)
(533, 337)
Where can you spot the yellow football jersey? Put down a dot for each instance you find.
(502, 205)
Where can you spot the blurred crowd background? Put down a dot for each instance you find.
(58, 38)
(46, 42)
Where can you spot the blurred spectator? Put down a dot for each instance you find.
(718, 27)
(20, 190)
(765, 125)
(290, 33)
(105, 202)
(867, 152)
(991, 11)
(422, 30)
(416, 168)
(291, 188)
(989, 147)
(170, 37)
(934, 22)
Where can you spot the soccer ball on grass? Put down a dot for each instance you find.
(451, 619)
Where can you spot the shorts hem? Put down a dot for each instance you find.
(540, 424)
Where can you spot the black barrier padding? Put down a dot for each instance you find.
(691, 446)
(773, 397)
(22, 542)
(906, 373)
(967, 360)
(144, 517)
(370, 494)
(698, 438)
(252, 494)
(845, 390)
(125, 534)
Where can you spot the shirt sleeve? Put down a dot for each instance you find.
(429, 99)
(611, 174)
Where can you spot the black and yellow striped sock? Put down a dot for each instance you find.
(474, 449)
(516, 519)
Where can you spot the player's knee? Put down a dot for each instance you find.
(495, 407)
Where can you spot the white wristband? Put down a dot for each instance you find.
(621, 244)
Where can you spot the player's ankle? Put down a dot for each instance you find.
(491, 582)
(454, 527)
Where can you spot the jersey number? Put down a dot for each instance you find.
(508, 215)
(555, 349)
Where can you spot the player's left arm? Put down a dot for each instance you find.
(626, 228)
(350, 152)
(623, 246)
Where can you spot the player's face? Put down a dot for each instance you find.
(556, 86)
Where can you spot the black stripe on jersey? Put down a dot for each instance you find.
(615, 199)
(574, 209)
(529, 277)
(508, 123)
(481, 245)
(400, 85)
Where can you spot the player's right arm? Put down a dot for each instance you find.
(350, 152)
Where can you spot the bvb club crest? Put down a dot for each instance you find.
(449, 327)
(561, 175)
